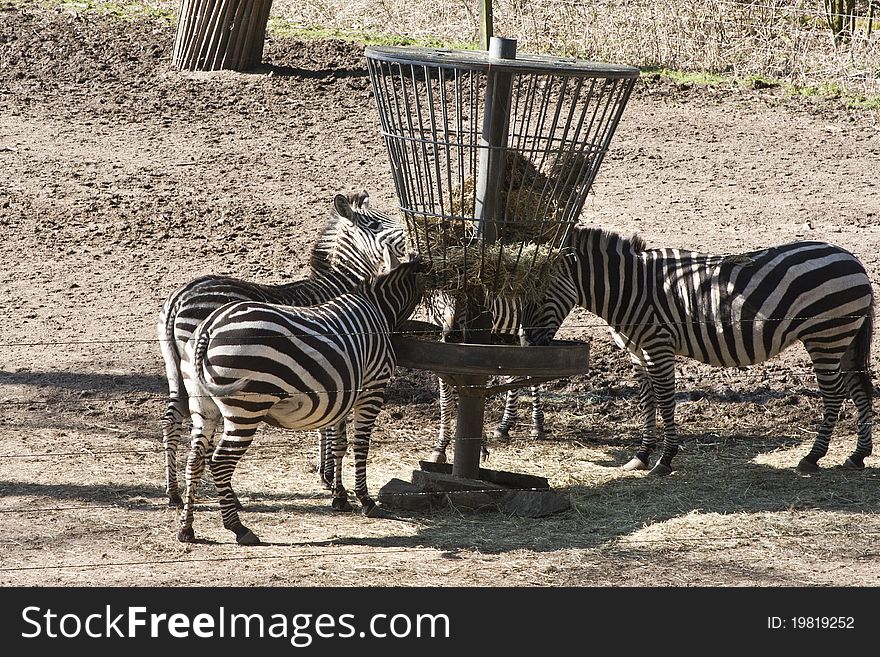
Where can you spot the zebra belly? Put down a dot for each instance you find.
(299, 414)
(729, 350)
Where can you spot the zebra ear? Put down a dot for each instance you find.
(362, 200)
(359, 200)
(343, 207)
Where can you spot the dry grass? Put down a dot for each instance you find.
(782, 39)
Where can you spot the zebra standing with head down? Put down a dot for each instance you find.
(726, 311)
(298, 368)
(348, 251)
(506, 313)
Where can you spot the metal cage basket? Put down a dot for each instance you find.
(493, 156)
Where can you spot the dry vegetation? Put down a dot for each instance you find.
(787, 40)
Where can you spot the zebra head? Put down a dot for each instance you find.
(398, 289)
(366, 234)
(541, 319)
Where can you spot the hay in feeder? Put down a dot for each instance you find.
(461, 271)
(530, 227)
(529, 210)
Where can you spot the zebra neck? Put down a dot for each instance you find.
(394, 305)
(340, 269)
(610, 274)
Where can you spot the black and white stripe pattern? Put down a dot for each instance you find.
(348, 251)
(726, 311)
(305, 368)
(506, 313)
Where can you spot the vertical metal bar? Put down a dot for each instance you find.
(477, 323)
(496, 124)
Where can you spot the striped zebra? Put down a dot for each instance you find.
(302, 368)
(726, 311)
(348, 251)
(506, 314)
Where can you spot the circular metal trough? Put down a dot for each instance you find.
(417, 346)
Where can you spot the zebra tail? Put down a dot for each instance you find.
(858, 356)
(200, 368)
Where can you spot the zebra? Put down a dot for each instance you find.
(349, 250)
(506, 314)
(726, 311)
(302, 368)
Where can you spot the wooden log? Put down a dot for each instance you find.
(220, 34)
(223, 32)
(513, 480)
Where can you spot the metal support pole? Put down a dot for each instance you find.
(493, 141)
(478, 318)
(469, 426)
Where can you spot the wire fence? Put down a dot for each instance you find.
(794, 41)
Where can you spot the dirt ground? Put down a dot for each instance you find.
(121, 178)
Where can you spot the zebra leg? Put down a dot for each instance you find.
(339, 447)
(661, 371)
(172, 429)
(234, 442)
(858, 384)
(538, 432)
(209, 459)
(365, 412)
(447, 410)
(508, 418)
(648, 408)
(195, 464)
(204, 422)
(326, 463)
(831, 388)
(511, 408)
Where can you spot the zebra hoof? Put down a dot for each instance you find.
(175, 501)
(850, 464)
(501, 434)
(635, 464)
(660, 470)
(186, 535)
(538, 434)
(437, 457)
(326, 483)
(808, 467)
(341, 504)
(247, 537)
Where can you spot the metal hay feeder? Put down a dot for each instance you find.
(492, 156)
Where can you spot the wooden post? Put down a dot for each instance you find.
(221, 34)
(485, 23)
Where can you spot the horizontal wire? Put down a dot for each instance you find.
(422, 332)
(723, 372)
(258, 446)
(613, 543)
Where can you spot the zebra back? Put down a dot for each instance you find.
(349, 251)
(725, 310)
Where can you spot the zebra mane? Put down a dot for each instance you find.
(322, 256)
(608, 240)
